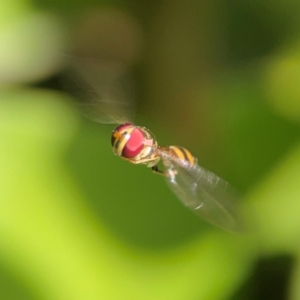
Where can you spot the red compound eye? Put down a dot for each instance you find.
(135, 144)
(127, 140)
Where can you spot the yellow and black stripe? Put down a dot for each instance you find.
(182, 155)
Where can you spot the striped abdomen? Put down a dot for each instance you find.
(182, 156)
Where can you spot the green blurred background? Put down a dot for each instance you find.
(221, 78)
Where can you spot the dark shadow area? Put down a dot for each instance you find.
(252, 29)
(269, 281)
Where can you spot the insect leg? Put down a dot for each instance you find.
(157, 171)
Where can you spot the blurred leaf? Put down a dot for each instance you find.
(41, 38)
(14, 10)
(276, 205)
(281, 81)
(254, 138)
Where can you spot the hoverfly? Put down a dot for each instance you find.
(203, 192)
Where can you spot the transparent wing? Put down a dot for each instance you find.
(103, 90)
(206, 194)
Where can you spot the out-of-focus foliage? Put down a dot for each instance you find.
(220, 78)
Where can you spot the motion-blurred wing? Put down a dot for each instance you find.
(207, 195)
(103, 90)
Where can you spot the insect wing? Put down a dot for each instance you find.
(103, 90)
(206, 194)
